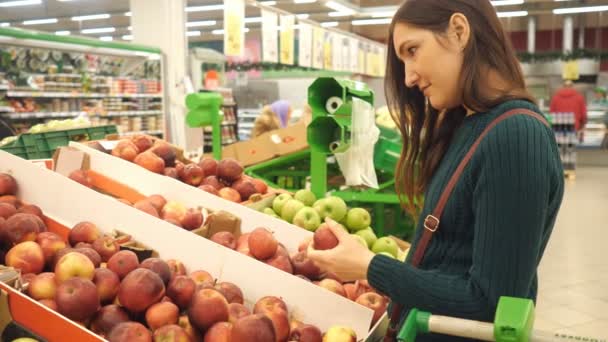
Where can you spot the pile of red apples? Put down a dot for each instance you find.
(90, 279)
(223, 178)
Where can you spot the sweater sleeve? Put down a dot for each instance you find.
(510, 205)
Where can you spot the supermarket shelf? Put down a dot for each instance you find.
(6, 109)
(155, 132)
(229, 104)
(248, 115)
(246, 125)
(41, 115)
(228, 123)
(3, 86)
(12, 93)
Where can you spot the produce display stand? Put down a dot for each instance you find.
(513, 322)
(306, 301)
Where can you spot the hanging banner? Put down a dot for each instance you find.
(383, 61)
(305, 46)
(327, 51)
(361, 59)
(270, 38)
(353, 46)
(369, 60)
(336, 44)
(234, 27)
(376, 63)
(317, 47)
(287, 39)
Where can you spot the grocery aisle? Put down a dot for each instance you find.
(573, 295)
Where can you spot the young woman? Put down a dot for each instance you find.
(451, 72)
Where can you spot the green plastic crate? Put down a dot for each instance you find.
(387, 150)
(43, 145)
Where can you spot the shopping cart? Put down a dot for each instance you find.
(513, 322)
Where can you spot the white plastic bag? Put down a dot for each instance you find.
(357, 163)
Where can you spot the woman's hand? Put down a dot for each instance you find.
(349, 260)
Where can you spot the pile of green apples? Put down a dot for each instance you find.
(304, 210)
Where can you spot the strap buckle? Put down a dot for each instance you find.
(431, 223)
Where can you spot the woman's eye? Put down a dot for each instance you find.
(412, 51)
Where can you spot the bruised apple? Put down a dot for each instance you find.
(140, 289)
(107, 318)
(160, 267)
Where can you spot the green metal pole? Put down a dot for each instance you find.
(217, 136)
(318, 173)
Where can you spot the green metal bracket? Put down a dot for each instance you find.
(416, 322)
(514, 319)
(204, 110)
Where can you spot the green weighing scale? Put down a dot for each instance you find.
(513, 322)
(204, 109)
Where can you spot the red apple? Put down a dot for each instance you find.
(49, 303)
(231, 292)
(353, 290)
(193, 219)
(230, 194)
(81, 176)
(161, 314)
(74, 264)
(8, 184)
(160, 267)
(180, 290)
(7, 210)
(91, 254)
(176, 267)
(158, 201)
(107, 318)
(209, 189)
(193, 175)
(201, 278)
(173, 222)
(245, 188)
(193, 333)
(375, 302)
(229, 170)
(130, 332)
(212, 181)
(174, 210)
(275, 309)
(83, 245)
(11, 199)
(166, 152)
(140, 289)
(107, 283)
(281, 262)
(77, 299)
(20, 228)
(179, 167)
(126, 150)
(306, 333)
(219, 332)
(27, 278)
(260, 185)
(50, 243)
(262, 244)
(304, 266)
(142, 142)
(150, 161)
(171, 172)
(209, 166)
(26, 256)
(106, 247)
(84, 232)
(333, 286)
(269, 303)
(242, 244)
(43, 286)
(123, 262)
(254, 328)
(146, 207)
(31, 209)
(171, 333)
(237, 311)
(225, 239)
(207, 307)
(324, 238)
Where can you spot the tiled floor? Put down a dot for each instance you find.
(573, 291)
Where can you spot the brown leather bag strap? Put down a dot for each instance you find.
(431, 222)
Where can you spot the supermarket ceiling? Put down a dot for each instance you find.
(110, 18)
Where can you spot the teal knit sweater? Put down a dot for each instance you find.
(494, 228)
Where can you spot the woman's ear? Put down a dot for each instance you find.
(459, 30)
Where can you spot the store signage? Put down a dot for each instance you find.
(287, 39)
(234, 28)
(305, 45)
(270, 41)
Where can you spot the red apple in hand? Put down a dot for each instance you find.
(207, 307)
(375, 302)
(262, 243)
(324, 238)
(225, 239)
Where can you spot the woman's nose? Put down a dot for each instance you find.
(411, 77)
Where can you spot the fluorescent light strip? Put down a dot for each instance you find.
(130, 28)
(91, 17)
(379, 21)
(128, 14)
(20, 3)
(340, 14)
(580, 9)
(506, 2)
(5, 24)
(98, 30)
(303, 16)
(206, 8)
(383, 14)
(338, 7)
(253, 20)
(106, 38)
(329, 24)
(220, 32)
(193, 33)
(127, 37)
(304, 1)
(201, 23)
(40, 21)
(512, 14)
(62, 33)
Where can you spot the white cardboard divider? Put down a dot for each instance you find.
(149, 183)
(69, 203)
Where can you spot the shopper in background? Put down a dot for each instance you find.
(272, 117)
(568, 100)
(451, 71)
(599, 97)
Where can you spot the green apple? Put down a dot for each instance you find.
(357, 219)
(386, 244)
(403, 254)
(306, 197)
(290, 209)
(270, 212)
(332, 207)
(360, 239)
(307, 218)
(279, 201)
(369, 235)
(387, 254)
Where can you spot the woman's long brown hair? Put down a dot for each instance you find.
(426, 131)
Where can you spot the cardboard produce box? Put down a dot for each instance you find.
(67, 203)
(135, 183)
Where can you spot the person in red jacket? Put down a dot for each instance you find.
(568, 100)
